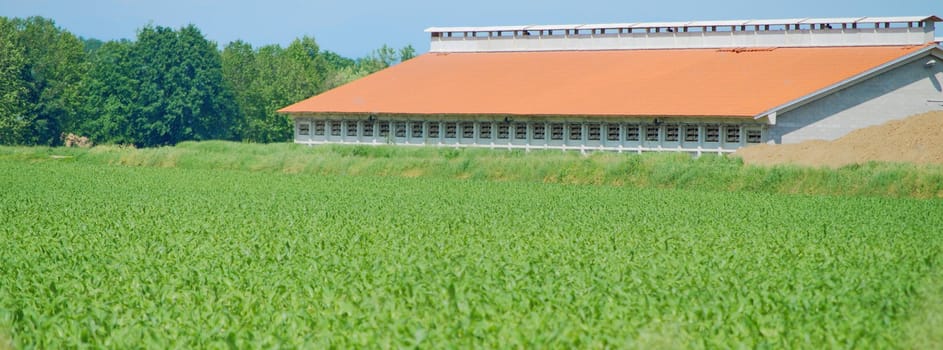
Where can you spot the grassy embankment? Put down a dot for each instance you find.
(668, 170)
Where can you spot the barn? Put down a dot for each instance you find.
(698, 87)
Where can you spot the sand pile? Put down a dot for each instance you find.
(916, 139)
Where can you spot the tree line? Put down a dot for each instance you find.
(166, 86)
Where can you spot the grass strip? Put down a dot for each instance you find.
(649, 170)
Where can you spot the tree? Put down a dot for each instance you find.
(53, 75)
(13, 90)
(407, 53)
(239, 73)
(112, 94)
(91, 44)
(383, 58)
(163, 89)
(341, 70)
(272, 77)
(335, 61)
(378, 60)
(263, 124)
(201, 107)
(269, 78)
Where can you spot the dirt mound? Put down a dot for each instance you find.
(916, 139)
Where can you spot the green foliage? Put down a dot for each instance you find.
(648, 170)
(173, 258)
(165, 87)
(239, 73)
(53, 73)
(181, 95)
(341, 70)
(407, 53)
(379, 59)
(112, 94)
(13, 91)
(923, 329)
(91, 44)
(270, 78)
(384, 57)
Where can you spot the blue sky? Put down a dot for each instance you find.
(355, 28)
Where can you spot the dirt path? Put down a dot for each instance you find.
(916, 139)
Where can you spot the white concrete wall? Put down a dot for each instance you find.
(576, 133)
(907, 90)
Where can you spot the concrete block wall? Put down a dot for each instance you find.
(896, 94)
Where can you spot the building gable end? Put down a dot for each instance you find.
(931, 50)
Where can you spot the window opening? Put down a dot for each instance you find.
(434, 130)
(671, 133)
(304, 129)
(556, 131)
(631, 132)
(690, 133)
(319, 127)
(576, 131)
(754, 136)
(384, 129)
(351, 128)
(335, 128)
(368, 129)
(733, 134)
(594, 132)
(400, 128)
(612, 132)
(450, 129)
(503, 130)
(712, 133)
(416, 129)
(468, 130)
(539, 131)
(520, 131)
(484, 130)
(651, 133)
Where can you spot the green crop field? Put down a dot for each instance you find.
(119, 257)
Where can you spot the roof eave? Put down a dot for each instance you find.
(296, 114)
(788, 106)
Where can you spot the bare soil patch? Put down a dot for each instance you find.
(917, 139)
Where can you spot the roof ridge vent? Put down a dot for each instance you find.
(727, 34)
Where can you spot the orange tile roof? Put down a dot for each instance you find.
(671, 82)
